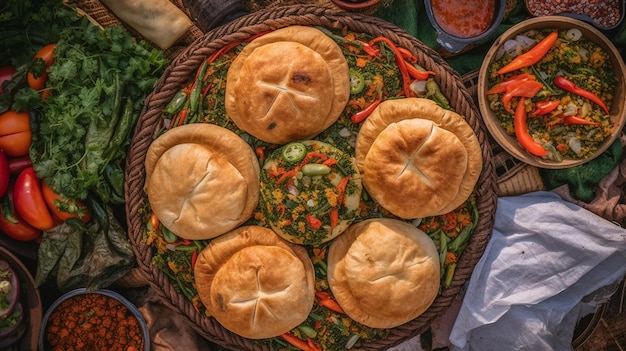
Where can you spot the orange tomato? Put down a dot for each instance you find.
(47, 55)
(15, 133)
(76, 208)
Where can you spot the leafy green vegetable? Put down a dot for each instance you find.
(95, 71)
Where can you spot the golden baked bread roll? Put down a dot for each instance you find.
(254, 283)
(417, 159)
(290, 84)
(383, 272)
(310, 191)
(202, 180)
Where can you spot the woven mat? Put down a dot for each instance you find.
(188, 61)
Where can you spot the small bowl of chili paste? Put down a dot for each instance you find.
(93, 320)
(461, 23)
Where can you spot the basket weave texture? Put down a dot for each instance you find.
(186, 64)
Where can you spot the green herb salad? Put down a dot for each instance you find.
(566, 84)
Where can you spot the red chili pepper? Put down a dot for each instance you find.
(370, 50)
(313, 222)
(578, 120)
(544, 107)
(563, 83)
(416, 73)
(331, 305)
(499, 88)
(363, 114)
(521, 131)
(312, 345)
(531, 56)
(520, 88)
(194, 258)
(399, 61)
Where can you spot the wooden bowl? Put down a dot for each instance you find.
(617, 112)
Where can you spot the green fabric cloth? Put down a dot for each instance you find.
(411, 16)
(583, 179)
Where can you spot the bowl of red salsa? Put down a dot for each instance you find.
(461, 23)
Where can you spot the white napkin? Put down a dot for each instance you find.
(547, 265)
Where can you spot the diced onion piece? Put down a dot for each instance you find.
(525, 42)
(344, 132)
(418, 87)
(573, 34)
(570, 109)
(574, 144)
(512, 48)
(352, 341)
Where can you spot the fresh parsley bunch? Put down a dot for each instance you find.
(81, 131)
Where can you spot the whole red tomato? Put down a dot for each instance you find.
(46, 53)
(6, 73)
(11, 223)
(15, 133)
(63, 208)
(29, 201)
(4, 173)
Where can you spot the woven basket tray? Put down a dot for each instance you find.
(186, 64)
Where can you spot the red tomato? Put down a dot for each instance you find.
(15, 133)
(29, 201)
(47, 55)
(54, 200)
(6, 73)
(12, 224)
(4, 173)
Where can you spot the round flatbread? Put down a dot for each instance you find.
(414, 148)
(310, 191)
(202, 180)
(383, 272)
(287, 85)
(254, 283)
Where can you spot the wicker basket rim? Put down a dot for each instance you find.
(264, 20)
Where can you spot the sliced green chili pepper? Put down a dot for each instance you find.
(176, 104)
(294, 152)
(357, 82)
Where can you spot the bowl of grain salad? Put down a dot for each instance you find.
(552, 92)
(93, 320)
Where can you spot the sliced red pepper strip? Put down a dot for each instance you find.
(578, 120)
(399, 61)
(416, 73)
(544, 107)
(531, 56)
(363, 114)
(331, 305)
(563, 83)
(499, 88)
(313, 222)
(520, 88)
(297, 342)
(521, 131)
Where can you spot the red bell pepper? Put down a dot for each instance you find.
(521, 131)
(11, 223)
(544, 107)
(531, 56)
(4, 173)
(29, 201)
(563, 83)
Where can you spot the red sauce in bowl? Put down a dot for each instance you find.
(464, 19)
